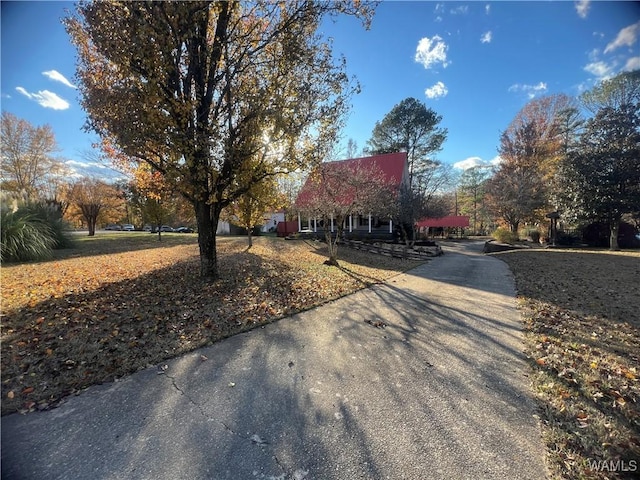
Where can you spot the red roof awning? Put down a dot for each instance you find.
(451, 221)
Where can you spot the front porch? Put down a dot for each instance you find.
(358, 227)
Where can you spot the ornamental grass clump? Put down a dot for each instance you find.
(30, 230)
(504, 235)
(25, 237)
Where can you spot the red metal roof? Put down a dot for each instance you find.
(393, 168)
(451, 221)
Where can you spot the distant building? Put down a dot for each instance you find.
(271, 221)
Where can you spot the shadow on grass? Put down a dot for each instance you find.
(61, 345)
(120, 242)
(582, 321)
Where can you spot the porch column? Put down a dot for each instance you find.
(309, 223)
(315, 224)
(390, 226)
(350, 224)
(369, 223)
(299, 223)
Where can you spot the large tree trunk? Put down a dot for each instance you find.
(207, 220)
(614, 226)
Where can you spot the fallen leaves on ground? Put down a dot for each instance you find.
(581, 313)
(88, 318)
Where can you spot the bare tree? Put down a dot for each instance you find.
(27, 155)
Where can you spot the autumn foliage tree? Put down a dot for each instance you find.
(337, 190)
(248, 210)
(94, 199)
(531, 149)
(185, 86)
(154, 195)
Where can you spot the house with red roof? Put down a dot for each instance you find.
(341, 186)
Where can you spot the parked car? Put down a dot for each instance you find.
(113, 226)
(184, 230)
(128, 227)
(166, 228)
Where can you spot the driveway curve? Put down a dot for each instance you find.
(422, 377)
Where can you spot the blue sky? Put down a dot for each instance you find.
(475, 63)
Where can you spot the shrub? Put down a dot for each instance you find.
(30, 230)
(50, 214)
(504, 235)
(534, 235)
(25, 237)
(568, 238)
(597, 235)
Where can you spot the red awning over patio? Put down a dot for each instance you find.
(451, 221)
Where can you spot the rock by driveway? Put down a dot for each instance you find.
(419, 378)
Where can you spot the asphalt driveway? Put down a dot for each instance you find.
(419, 378)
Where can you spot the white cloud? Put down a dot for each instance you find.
(58, 77)
(78, 169)
(438, 10)
(627, 36)
(438, 90)
(431, 51)
(487, 8)
(461, 10)
(594, 55)
(76, 163)
(468, 163)
(632, 64)
(486, 37)
(45, 99)
(497, 160)
(582, 7)
(530, 90)
(476, 162)
(600, 69)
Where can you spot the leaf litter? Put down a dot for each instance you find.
(581, 313)
(88, 318)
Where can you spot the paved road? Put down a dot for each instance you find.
(440, 392)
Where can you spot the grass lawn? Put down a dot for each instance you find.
(581, 311)
(119, 302)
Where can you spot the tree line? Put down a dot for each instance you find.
(573, 159)
(215, 106)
